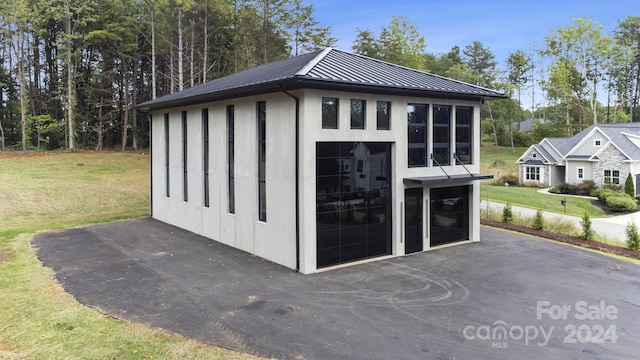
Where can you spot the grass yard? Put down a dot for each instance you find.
(524, 196)
(38, 319)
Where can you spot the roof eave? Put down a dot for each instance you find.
(299, 83)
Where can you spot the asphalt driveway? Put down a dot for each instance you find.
(507, 297)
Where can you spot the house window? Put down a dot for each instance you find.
(534, 155)
(441, 135)
(357, 113)
(262, 161)
(612, 177)
(205, 155)
(185, 179)
(580, 173)
(417, 134)
(597, 142)
(231, 160)
(166, 152)
(532, 173)
(383, 115)
(464, 134)
(329, 113)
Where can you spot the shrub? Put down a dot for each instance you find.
(621, 203)
(628, 186)
(587, 231)
(586, 187)
(633, 238)
(511, 179)
(507, 214)
(538, 221)
(555, 190)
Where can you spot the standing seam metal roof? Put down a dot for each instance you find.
(328, 67)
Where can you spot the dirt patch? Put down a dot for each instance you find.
(4, 256)
(567, 239)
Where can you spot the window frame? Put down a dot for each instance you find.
(380, 124)
(459, 127)
(612, 178)
(443, 161)
(231, 198)
(261, 109)
(530, 175)
(166, 155)
(362, 112)
(580, 173)
(424, 142)
(205, 156)
(185, 163)
(597, 142)
(330, 122)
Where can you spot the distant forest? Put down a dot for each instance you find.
(71, 72)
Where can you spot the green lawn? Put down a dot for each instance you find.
(524, 196)
(38, 319)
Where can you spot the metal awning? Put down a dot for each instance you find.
(427, 180)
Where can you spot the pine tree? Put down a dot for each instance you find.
(628, 186)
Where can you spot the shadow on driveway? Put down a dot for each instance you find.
(497, 299)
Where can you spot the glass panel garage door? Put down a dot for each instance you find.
(449, 214)
(353, 201)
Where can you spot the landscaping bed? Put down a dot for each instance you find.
(568, 239)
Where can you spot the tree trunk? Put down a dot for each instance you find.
(153, 51)
(134, 112)
(493, 123)
(100, 122)
(2, 147)
(180, 67)
(192, 55)
(69, 83)
(205, 66)
(125, 106)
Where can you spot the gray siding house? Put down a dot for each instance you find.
(604, 153)
(321, 160)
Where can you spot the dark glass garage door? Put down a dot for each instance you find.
(353, 201)
(449, 212)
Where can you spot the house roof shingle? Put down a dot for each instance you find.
(329, 68)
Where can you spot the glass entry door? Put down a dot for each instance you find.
(413, 220)
(449, 212)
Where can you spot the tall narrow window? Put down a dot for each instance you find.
(185, 178)
(166, 153)
(357, 113)
(383, 115)
(262, 161)
(417, 134)
(231, 160)
(329, 113)
(464, 134)
(441, 135)
(205, 155)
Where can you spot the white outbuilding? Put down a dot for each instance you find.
(321, 160)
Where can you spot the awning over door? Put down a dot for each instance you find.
(428, 180)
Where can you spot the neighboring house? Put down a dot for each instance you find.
(322, 159)
(604, 153)
(527, 125)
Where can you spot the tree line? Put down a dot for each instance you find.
(72, 71)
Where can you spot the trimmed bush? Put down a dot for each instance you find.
(621, 203)
(628, 186)
(507, 214)
(538, 221)
(633, 238)
(586, 187)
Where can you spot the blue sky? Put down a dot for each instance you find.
(504, 26)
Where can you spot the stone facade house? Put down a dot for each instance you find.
(604, 153)
(321, 160)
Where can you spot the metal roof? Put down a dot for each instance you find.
(326, 69)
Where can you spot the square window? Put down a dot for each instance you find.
(534, 155)
(357, 113)
(597, 142)
(329, 113)
(383, 115)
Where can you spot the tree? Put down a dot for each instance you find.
(481, 61)
(587, 231)
(583, 44)
(399, 43)
(304, 31)
(507, 214)
(518, 67)
(633, 238)
(538, 221)
(627, 71)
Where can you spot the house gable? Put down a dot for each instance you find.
(593, 142)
